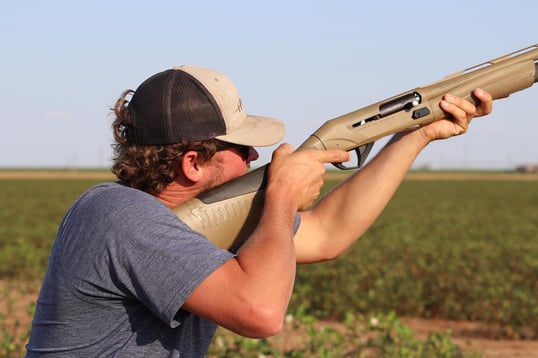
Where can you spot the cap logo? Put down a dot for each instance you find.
(239, 107)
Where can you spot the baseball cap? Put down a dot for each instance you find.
(191, 103)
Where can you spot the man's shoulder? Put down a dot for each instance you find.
(113, 200)
(116, 192)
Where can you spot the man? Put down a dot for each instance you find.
(127, 278)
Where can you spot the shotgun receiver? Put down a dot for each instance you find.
(226, 215)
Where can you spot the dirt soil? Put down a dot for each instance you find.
(471, 336)
(16, 298)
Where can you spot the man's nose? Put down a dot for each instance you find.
(252, 154)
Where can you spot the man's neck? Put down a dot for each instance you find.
(175, 194)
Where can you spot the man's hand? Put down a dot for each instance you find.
(459, 115)
(298, 176)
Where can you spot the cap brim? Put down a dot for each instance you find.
(256, 131)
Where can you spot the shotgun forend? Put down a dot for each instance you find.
(227, 214)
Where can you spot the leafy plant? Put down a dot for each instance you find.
(358, 336)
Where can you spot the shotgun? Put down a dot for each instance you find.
(227, 215)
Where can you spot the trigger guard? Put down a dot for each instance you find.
(341, 166)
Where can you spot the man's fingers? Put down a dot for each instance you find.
(486, 102)
(454, 104)
(333, 156)
(323, 156)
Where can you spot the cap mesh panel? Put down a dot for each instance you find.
(173, 106)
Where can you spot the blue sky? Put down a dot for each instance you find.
(64, 63)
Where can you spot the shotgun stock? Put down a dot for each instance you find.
(226, 215)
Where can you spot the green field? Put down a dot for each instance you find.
(463, 250)
(451, 249)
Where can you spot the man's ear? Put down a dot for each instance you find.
(191, 167)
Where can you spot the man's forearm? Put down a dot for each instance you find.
(347, 212)
(268, 261)
(344, 214)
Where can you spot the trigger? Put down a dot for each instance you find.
(362, 153)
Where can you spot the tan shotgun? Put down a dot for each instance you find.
(226, 215)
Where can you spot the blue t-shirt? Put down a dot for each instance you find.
(121, 267)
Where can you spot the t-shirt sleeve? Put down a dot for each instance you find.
(145, 252)
(165, 263)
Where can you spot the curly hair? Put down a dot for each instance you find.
(148, 167)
